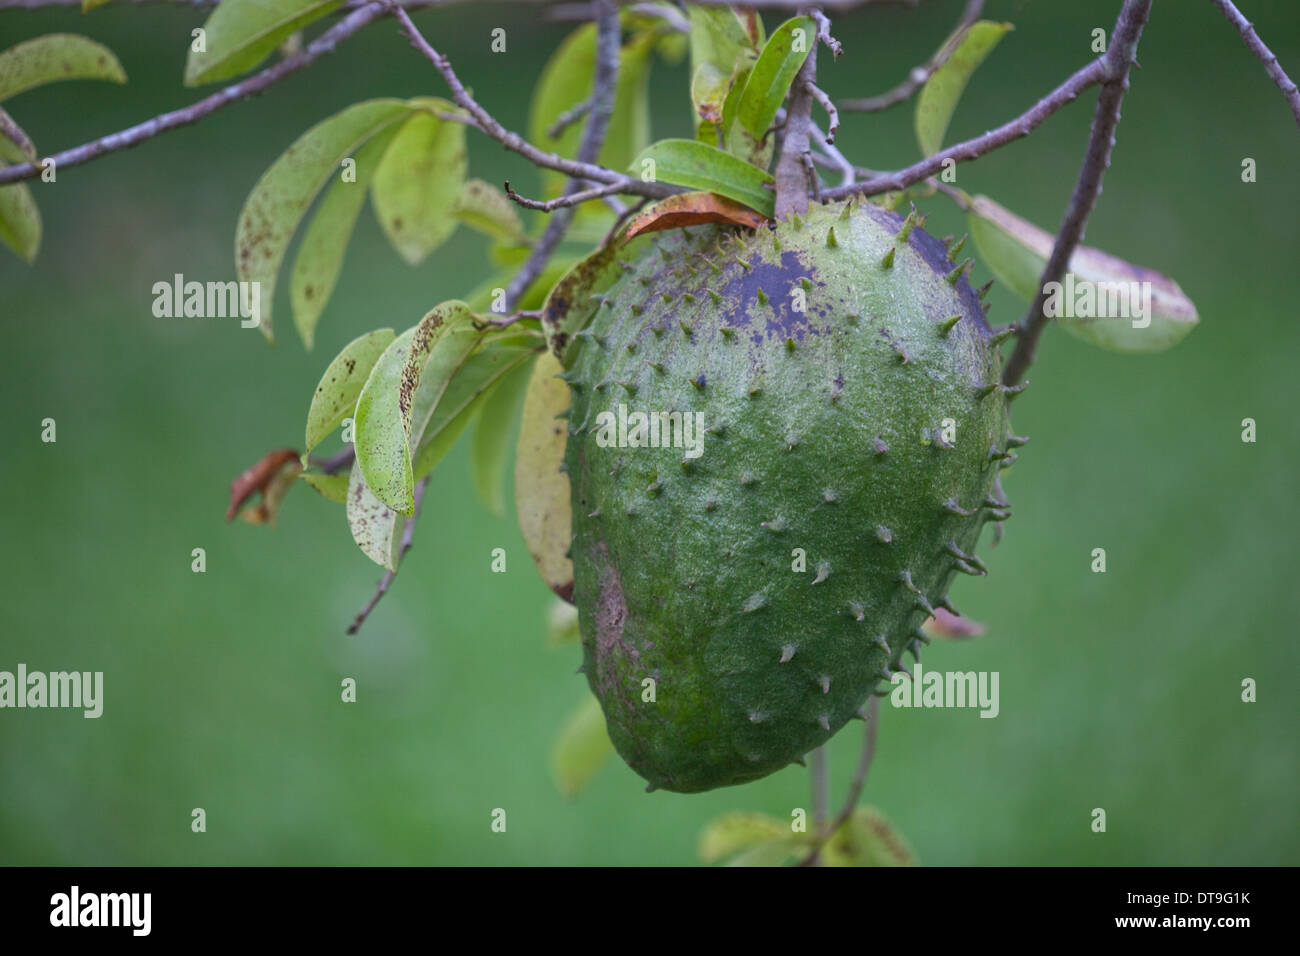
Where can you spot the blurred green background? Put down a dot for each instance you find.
(1118, 690)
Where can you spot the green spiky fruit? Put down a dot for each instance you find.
(738, 606)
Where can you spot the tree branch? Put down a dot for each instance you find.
(489, 125)
(565, 201)
(872, 717)
(408, 533)
(1018, 128)
(1117, 62)
(604, 83)
(919, 74)
(821, 784)
(137, 134)
(1264, 54)
(791, 173)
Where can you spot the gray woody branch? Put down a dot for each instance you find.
(1116, 64)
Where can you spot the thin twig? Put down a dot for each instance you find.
(1018, 128)
(407, 535)
(604, 83)
(832, 114)
(337, 462)
(1264, 54)
(819, 770)
(489, 125)
(134, 135)
(1117, 62)
(919, 74)
(872, 717)
(563, 202)
(833, 158)
(568, 118)
(824, 34)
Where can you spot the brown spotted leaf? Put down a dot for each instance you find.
(400, 395)
(336, 395)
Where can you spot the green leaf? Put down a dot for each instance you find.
(736, 832)
(582, 748)
(867, 839)
(15, 145)
(325, 240)
(419, 181)
(88, 5)
(731, 103)
(281, 196)
(769, 81)
(340, 386)
(483, 207)
(376, 528)
(402, 390)
(55, 57)
(240, 34)
(939, 96)
(490, 450)
(688, 162)
(566, 81)
(20, 221)
(1144, 311)
(541, 489)
(501, 353)
(332, 487)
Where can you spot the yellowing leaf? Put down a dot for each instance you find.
(1103, 300)
(20, 221)
(737, 832)
(325, 240)
(280, 198)
(55, 57)
(331, 487)
(483, 207)
(582, 748)
(867, 839)
(541, 489)
(419, 181)
(376, 528)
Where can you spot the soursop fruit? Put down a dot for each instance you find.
(782, 447)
